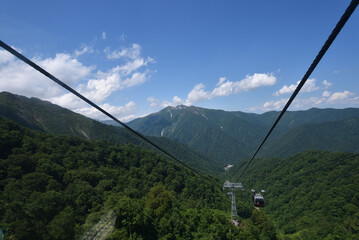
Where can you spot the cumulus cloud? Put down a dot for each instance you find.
(223, 88)
(197, 94)
(326, 94)
(221, 80)
(309, 86)
(155, 103)
(226, 88)
(19, 78)
(177, 101)
(249, 83)
(103, 36)
(325, 100)
(308, 102)
(275, 105)
(123, 111)
(326, 84)
(339, 96)
(6, 57)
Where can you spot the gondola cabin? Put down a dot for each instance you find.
(258, 200)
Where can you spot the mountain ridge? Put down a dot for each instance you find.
(238, 134)
(45, 116)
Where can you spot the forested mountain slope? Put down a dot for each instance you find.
(41, 115)
(224, 136)
(342, 135)
(312, 195)
(233, 136)
(58, 187)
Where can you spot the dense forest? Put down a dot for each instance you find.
(312, 195)
(99, 179)
(230, 137)
(59, 187)
(42, 115)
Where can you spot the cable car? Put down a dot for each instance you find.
(258, 199)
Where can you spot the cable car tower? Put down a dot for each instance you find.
(232, 187)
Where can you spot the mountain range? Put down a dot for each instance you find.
(206, 139)
(230, 137)
(58, 182)
(42, 115)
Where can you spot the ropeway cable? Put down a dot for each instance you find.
(348, 12)
(64, 85)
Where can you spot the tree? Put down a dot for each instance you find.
(61, 227)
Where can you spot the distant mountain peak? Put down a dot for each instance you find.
(179, 107)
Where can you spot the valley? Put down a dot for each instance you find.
(60, 170)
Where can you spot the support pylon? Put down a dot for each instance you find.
(233, 187)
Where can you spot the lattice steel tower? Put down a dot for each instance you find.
(232, 187)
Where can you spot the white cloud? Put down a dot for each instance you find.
(325, 100)
(99, 89)
(123, 37)
(221, 80)
(64, 67)
(130, 53)
(17, 77)
(307, 102)
(285, 89)
(84, 49)
(103, 37)
(136, 78)
(249, 83)
(339, 96)
(155, 103)
(309, 86)
(197, 94)
(275, 105)
(118, 111)
(6, 57)
(326, 94)
(255, 81)
(223, 88)
(326, 84)
(131, 66)
(226, 88)
(177, 101)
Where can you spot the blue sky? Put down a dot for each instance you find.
(137, 57)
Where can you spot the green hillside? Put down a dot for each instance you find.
(342, 135)
(41, 115)
(224, 136)
(230, 137)
(312, 195)
(63, 187)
